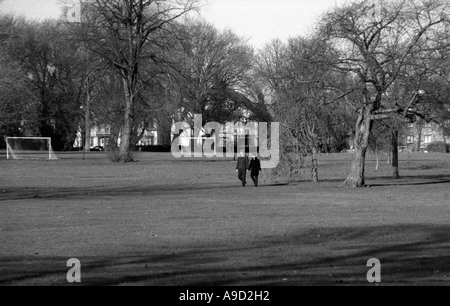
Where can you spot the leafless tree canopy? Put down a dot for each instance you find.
(140, 64)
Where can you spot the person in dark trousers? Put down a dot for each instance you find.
(255, 169)
(241, 167)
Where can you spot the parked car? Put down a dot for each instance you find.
(98, 148)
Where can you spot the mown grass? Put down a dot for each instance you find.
(166, 221)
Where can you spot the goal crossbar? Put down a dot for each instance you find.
(46, 138)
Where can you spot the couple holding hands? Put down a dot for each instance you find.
(244, 165)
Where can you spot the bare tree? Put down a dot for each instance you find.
(299, 100)
(14, 97)
(44, 63)
(126, 34)
(374, 54)
(211, 63)
(11, 86)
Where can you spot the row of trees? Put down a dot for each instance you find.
(394, 64)
(39, 88)
(132, 63)
(381, 71)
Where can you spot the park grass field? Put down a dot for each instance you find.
(166, 221)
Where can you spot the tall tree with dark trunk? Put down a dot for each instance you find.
(372, 53)
(126, 34)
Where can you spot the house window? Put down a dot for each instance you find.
(410, 139)
(427, 139)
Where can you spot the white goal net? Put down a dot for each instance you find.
(29, 148)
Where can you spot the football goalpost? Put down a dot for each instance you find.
(29, 148)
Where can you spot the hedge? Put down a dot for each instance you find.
(438, 147)
(164, 149)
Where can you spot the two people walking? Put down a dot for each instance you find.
(244, 165)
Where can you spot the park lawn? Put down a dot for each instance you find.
(166, 221)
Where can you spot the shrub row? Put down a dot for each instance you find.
(438, 147)
(164, 149)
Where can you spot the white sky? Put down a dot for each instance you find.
(264, 20)
(33, 9)
(258, 20)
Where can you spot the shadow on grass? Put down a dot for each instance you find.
(410, 180)
(28, 193)
(409, 254)
(93, 192)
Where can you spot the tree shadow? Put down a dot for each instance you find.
(409, 254)
(410, 180)
(30, 193)
(20, 193)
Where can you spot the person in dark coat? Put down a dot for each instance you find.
(241, 167)
(255, 169)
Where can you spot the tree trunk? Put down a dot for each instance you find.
(125, 138)
(87, 123)
(377, 154)
(137, 137)
(417, 136)
(361, 143)
(166, 137)
(314, 167)
(114, 138)
(394, 144)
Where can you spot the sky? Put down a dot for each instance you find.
(32, 9)
(259, 21)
